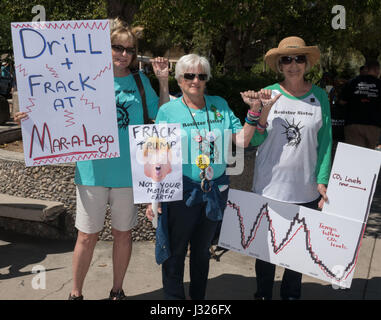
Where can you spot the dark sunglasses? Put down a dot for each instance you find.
(121, 49)
(298, 59)
(200, 76)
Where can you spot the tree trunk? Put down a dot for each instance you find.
(236, 53)
(218, 50)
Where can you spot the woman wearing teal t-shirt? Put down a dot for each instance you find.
(108, 181)
(204, 121)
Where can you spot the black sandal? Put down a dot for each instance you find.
(75, 297)
(119, 295)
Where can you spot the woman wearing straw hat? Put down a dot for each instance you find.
(294, 138)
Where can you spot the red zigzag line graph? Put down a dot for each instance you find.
(91, 104)
(76, 158)
(52, 71)
(63, 25)
(288, 238)
(21, 70)
(29, 108)
(70, 119)
(102, 71)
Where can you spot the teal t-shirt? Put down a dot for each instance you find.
(116, 172)
(222, 122)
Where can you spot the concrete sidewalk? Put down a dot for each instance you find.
(232, 278)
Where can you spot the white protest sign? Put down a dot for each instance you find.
(305, 240)
(156, 162)
(65, 84)
(324, 245)
(352, 181)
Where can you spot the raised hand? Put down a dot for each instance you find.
(259, 99)
(160, 67)
(267, 101)
(251, 98)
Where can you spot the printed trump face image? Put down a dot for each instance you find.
(157, 157)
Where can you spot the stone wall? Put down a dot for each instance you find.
(56, 183)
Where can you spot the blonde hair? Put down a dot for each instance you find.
(155, 144)
(120, 28)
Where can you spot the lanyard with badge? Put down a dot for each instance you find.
(203, 161)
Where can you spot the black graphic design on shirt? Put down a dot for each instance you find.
(123, 117)
(292, 133)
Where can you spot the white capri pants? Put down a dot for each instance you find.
(92, 205)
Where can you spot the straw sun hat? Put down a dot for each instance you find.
(292, 46)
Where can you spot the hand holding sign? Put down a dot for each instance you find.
(152, 211)
(64, 80)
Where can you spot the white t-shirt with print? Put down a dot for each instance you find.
(295, 152)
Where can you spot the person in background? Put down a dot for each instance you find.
(362, 99)
(294, 155)
(363, 70)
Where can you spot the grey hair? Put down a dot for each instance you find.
(190, 61)
(308, 65)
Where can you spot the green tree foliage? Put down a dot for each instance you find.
(206, 26)
(229, 32)
(21, 11)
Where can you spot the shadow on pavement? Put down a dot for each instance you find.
(236, 287)
(21, 251)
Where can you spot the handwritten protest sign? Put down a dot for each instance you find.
(352, 182)
(156, 162)
(324, 245)
(65, 84)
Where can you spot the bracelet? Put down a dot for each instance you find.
(252, 123)
(252, 117)
(255, 114)
(260, 127)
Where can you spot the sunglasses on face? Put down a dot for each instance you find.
(121, 49)
(298, 59)
(200, 76)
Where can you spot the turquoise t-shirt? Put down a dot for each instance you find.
(222, 122)
(116, 172)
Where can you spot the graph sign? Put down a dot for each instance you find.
(320, 244)
(66, 86)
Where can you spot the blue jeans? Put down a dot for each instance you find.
(291, 282)
(188, 225)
